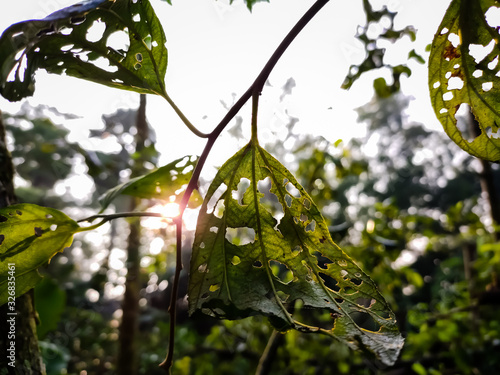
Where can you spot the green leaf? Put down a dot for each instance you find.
(118, 43)
(50, 303)
(247, 261)
(30, 236)
(166, 183)
(464, 69)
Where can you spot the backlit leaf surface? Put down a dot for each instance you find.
(118, 43)
(30, 236)
(247, 260)
(464, 69)
(164, 183)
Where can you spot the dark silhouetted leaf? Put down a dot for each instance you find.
(164, 183)
(240, 246)
(118, 43)
(464, 70)
(32, 235)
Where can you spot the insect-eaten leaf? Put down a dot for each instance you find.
(166, 183)
(263, 247)
(30, 236)
(118, 43)
(464, 76)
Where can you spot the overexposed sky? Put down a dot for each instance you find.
(216, 50)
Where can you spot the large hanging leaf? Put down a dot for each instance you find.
(118, 43)
(464, 69)
(167, 182)
(246, 261)
(30, 236)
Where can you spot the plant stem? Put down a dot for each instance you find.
(254, 90)
(167, 363)
(184, 118)
(119, 215)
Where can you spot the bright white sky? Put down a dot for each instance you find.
(216, 50)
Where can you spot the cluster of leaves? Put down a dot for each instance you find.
(262, 247)
(63, 43)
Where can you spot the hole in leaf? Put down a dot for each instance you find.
(296, 250)
(349, 291)
(204, 295)
(78, 20)
(214, 287)
(53, 227)
(477, 73)
(365, 321)
(203, 268)
(136, 18)
(364, 302)
(137, 66)
(241, 188)
(288, 200)
(281, 271)
(294, 192)
(147, 42)
(219, 209)
(236, 260)
(65, 31)
(490, 134)
(454, 39)
(257, 264)
(447, 96)
(343, 273)
(455, 83)
(357, 281)
(282, 295)
(307, 204)
(329, 282)
(303, 217)
(339, 300)
(3, 219)
(479, 52)
(436, 84)
(138, 57)
(202, 245)
(240, 236)
(218, 194)
(38, 231)
(487, 86)
(119, 41)
(323, 261)
(311, 226)
(95, 31)
(2, 237)
(214, 229)
(19, 212)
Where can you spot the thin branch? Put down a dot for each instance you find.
(120, 215)
(254, 89)
(184, 118)
(167, 363)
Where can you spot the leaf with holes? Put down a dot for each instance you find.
(464, 70)
(30, 236)
(118, 43)
(247, 260)
(167, 182)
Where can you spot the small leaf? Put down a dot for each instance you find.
(464, 69)
(118, 43)
(31, 235)
(247, 261)
(166, 183)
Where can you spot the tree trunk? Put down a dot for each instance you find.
(128, 356)
(21, 355)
